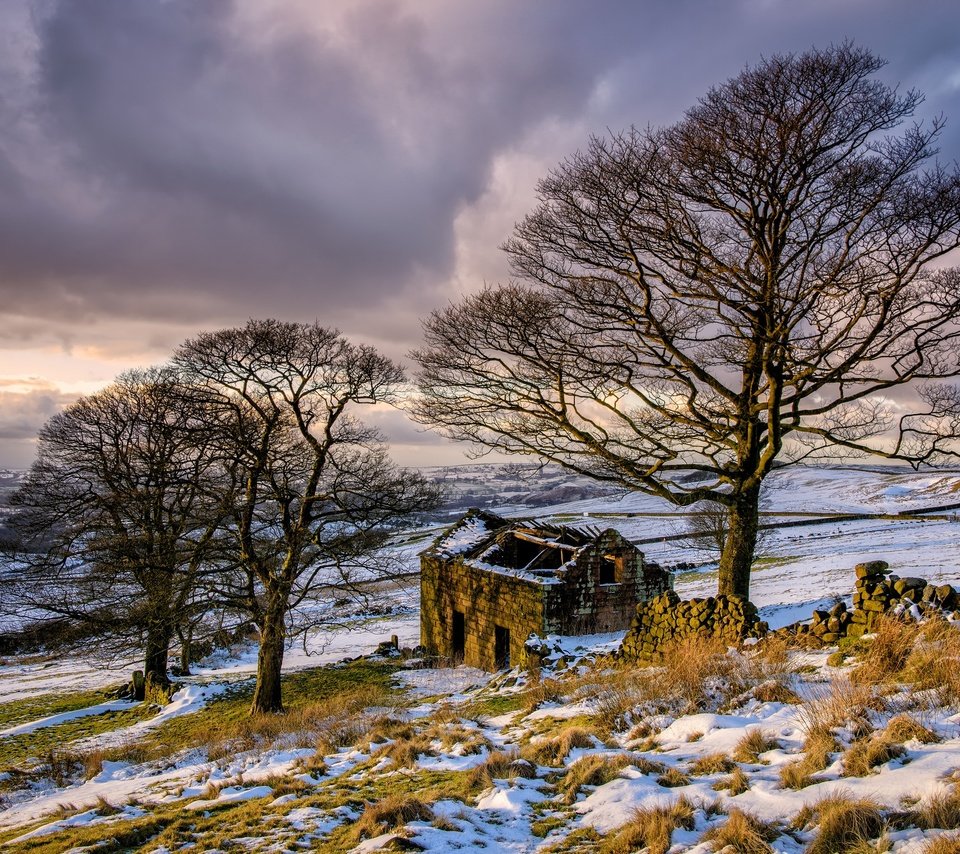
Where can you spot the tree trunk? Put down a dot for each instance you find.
(186, 644)
(157, 651)
(736, 559)
(266, 696)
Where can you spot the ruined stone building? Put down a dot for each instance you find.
(487, 583)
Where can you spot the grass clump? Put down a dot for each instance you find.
(867, 753)
(650, 828)
(818, 746)
(736, 784)
(948, 843)
(392, 813)
(671, 778)
(904, 728)
(742, 833)
(749, 748)
(594, 770)
(846, 824)
(940, 811)
(404, 752)
(500, 765)
(890, 648)
(712, 763)
(553, 751)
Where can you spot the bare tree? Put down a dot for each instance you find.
(705, 529)
(120, 513)
(751, 284)
(317, 493)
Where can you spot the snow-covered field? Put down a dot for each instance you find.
(275, 792)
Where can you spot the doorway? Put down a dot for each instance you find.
(458, 642)
(501, 647)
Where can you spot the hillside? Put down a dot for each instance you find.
(713, 748)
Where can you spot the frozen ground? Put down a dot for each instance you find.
(800, 569)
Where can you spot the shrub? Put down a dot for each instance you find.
(742, 833)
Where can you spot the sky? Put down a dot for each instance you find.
(173, 166)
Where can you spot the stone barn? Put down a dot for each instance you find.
(487, 583)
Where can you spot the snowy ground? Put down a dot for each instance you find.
(801, 568)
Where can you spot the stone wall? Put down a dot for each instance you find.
(876, 592)
(487, 600)
(584, 606)
(667, 619)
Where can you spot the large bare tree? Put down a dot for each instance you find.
(120, 512)
(317, 495)
(753, 284)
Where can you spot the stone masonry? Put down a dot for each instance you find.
(667, 620)
(487, 584)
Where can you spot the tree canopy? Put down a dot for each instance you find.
(753, 285)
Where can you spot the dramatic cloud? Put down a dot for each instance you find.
(172, 166)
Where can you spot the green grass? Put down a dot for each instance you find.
(171, 826)
(232, 708)
(16, 712)
(18, 749)
(493, 706)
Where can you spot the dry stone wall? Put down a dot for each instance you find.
(877, 591)
(667, 620)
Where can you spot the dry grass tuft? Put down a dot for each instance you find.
(904, 728)
(736, 784)
(404, 752)
(501, 765)
(650, 829)
(818, 747)
(742, 833)
(673, 777)
(867, 753)
(948, 843)
(754, 743)
(843, 702)
(691, 665)
(775, 692)
(391, 813)
(553, 751)
(892, 644)
(940, 811)
(712, 763)
(592, 770)
(458, 739)
(846, 824)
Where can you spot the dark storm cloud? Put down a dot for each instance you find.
(257, 173)
(198, 163)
